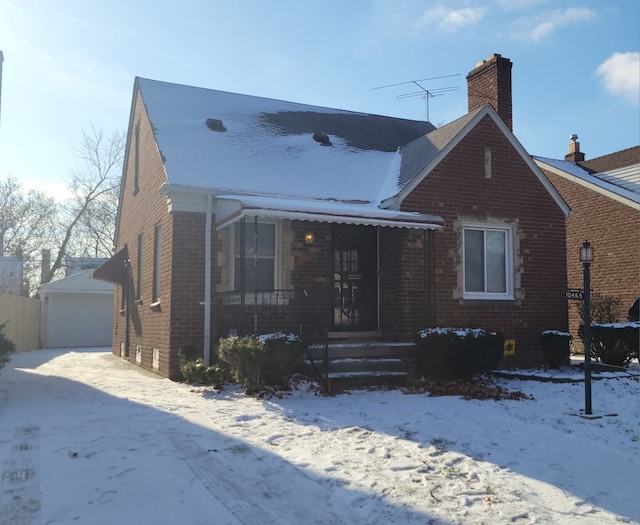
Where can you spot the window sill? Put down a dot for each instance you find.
(138, 302)
(489, 301)
(156, 306)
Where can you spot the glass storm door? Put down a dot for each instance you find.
(355, 282)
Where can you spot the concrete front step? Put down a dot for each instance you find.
(350, 365)
(369, 362)
(370, 349)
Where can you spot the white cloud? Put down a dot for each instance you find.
(451, 20)
(539, 27)
(621, 75)
(519, 4)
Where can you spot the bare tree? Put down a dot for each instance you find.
(86, 224)
(23, 217)
(25, 220)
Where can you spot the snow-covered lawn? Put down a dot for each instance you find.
(86, 438)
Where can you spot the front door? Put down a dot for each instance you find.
(355, 283)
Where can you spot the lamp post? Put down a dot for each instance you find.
(586, 257)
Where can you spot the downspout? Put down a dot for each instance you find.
(378, 277)
(207, 282)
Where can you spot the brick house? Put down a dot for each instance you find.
(604, 196)
(240, 214)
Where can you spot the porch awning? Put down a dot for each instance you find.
(115, 269)
(230, 208)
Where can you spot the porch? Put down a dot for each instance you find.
(337, 358)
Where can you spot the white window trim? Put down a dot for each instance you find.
(508, 295)
(277, 256)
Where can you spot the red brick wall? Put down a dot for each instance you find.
(140, 211)
(613, 229)
(457, 188)
(313, 272)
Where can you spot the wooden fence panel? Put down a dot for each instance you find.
(22, 315)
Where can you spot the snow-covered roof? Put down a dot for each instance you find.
(232, 207)
(628, 193)
(81, 282)
(239, 144)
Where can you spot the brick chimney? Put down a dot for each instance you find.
(490, 83)
(574, 155)
(46, 265)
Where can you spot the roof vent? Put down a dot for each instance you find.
(322, 138)
(215, 124)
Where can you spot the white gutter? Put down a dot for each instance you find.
(207, 282)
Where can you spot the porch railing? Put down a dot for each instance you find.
(268, 311)
(257, 312)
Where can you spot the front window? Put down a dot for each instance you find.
(254, 256)
(487, 263)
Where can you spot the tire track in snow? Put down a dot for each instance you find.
(266, 496)
(20, 482)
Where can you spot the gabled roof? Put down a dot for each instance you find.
(420, 157)
(230, 143)
(626, 192)
(419, 153)
(82, 282)
(299, 160)
(612, 161)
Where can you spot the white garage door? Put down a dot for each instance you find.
(75, 320)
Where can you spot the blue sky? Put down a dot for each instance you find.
(70, 64)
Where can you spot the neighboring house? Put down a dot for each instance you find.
(76, 311)
(241, 214)
(604, 196)
(75, 265)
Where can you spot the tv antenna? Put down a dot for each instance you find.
(424, 93)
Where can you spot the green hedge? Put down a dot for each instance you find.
(259, 361)
(457, 353)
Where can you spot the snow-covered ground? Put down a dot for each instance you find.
(86, 438)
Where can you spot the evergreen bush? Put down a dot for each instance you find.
(196, 373)
(615, 343)
(556, 348)
(266, 360)
(457, 353)
(6, 346)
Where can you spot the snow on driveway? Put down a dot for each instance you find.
(87, 438)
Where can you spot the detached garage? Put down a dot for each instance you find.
(76, 311)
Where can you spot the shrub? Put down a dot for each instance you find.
(603, 308)
(6, 346)
(615, 343)
(450, 353)
(196, 373)
(266, 360)
(556, 347)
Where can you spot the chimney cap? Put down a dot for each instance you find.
(573, 137)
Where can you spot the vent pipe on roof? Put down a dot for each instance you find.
(574, 155)
(322, 138)
(215, 124)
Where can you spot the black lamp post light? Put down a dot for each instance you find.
(586, 258)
